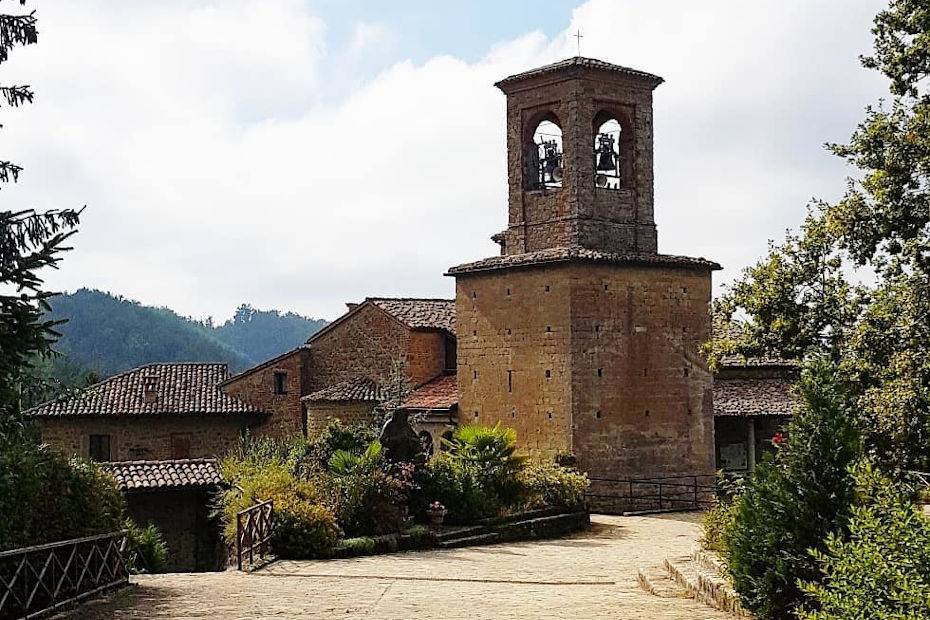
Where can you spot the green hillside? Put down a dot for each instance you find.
(106, 334)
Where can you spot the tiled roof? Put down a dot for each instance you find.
(190, 388)
(186, 473)
(580, 61)
(358, 389)
(419, 313)
(576, 253)
(754, 397)
(440, 393)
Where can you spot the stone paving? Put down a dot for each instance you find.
(589, 576)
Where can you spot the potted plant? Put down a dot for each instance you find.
(436, 513)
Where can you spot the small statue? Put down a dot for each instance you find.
(398, 439)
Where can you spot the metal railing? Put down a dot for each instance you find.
(254, 528)
(40, 579)
(657, 494)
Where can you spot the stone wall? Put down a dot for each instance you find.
(183, 517)
(426, 356)
(594, 358)
(147, 437)
(348, 412)
(642, 395)
(512, 331)
(257, 387)
(578, 213)
(365, 343)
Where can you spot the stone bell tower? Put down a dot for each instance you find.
(580, 335)
(596, 204)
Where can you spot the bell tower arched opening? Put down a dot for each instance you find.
(543, 154)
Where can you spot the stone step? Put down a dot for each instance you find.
(709, 561)
(480, 539)
(461, 532)
(657, 582)
(707, 586)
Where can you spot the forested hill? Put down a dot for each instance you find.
(107, 334)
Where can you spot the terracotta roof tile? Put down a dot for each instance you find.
(754, 397)
(189, 388)
(357, 389)
(177, 474)
(419, 313)
(440, 393)
(577, 253)
(580, 61)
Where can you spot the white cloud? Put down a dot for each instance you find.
(225, 155)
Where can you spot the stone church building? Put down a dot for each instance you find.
(579, 334)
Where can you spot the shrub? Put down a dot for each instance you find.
(715, 522)
(148, 552)
(297, 520)
(793, 502)
(459, 486)
(881, 571)
(302, 529)
(489, 454)
(314, 453)
(47, 497)
(374, 500)
(553, 485)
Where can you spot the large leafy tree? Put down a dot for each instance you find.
(29, 242)
(797, 301)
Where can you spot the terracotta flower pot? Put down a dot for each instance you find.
(436, 517)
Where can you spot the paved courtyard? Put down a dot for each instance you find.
(589, 576)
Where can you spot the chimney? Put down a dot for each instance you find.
(150, 389)
(351, 306)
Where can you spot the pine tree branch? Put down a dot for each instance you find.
(9, 171)
(16, 30)
(17, 95)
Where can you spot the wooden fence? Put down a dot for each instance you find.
(254, 527)
(40, 579)
(659, 494)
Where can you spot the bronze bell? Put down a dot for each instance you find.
(605, 153)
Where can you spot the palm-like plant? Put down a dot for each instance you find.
(491, 449)
(345, 463)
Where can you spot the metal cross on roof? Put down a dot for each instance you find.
(578, 37)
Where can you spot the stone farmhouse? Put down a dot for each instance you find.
(579, 334)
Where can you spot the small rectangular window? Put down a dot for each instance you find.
(99, 448)
(600, 372)
(280, 382)
(510, 381)
(548, 373)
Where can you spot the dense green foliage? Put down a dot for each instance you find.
(106, 334)
(553, 485)
(340, 477)
(264, 334)
(147, 550)
(45, 497)
(798, 300)
(794, 501)
(881, 569)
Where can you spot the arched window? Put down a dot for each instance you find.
(607, 152)
(544, 155)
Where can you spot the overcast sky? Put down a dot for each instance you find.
(298, 155)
